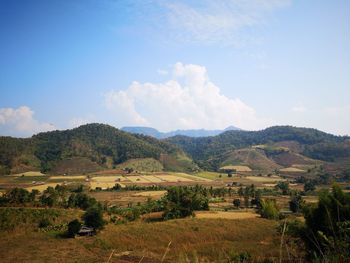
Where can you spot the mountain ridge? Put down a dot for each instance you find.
(149, 131)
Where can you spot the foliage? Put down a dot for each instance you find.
(73, 228)
(182, 201)
(269, 209)
(327, 230)
(208, 151)
(93, 217)
(309, 186)
(284, 187)
(296, 203)
(96, 142)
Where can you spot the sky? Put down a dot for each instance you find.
(174, 64)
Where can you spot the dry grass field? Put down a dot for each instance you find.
(211, 239)
(226, 215)
(292, 170)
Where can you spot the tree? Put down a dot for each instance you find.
(93, 217)
(237, 203)
(182, 201)
(327, 230)
(296, 203)
(284, 187)
(73, 228)
(309, 186)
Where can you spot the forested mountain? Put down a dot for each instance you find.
(99, 145)
(209, 151)
(190, 133)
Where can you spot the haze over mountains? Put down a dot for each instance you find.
(190, 133)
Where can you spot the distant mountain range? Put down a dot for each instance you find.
(190, 133)
(94, 147)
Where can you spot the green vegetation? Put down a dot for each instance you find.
(143, 165)
(183, 201)
(95, 146)
(268, 209)
(209, 152)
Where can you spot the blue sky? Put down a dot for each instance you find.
(174, 64)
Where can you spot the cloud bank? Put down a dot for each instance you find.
(187, 101)
(21, 122)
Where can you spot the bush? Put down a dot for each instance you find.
(73, 228)
(44, 222)
(269, 209)
(93, 217)
(296, 203)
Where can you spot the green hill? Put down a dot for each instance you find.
(83, 149)
(209, 152)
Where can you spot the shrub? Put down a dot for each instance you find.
(269, 209)
(93, 217)
(73, 228)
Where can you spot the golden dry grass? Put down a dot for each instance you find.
(150, 193)
(30, 173)
(67, 177)
(292, 170)
(226, 215)
(173, 178)
(210, 238)
(41, 187)
(264, 179)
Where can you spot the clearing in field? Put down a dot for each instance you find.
(238, 168)
(292, 170)
(226, 215)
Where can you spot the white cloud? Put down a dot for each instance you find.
(21, 122)
(215, 21)
(188, 100)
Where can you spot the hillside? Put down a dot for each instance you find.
(299, 143)
(162, 135)
(84, 149)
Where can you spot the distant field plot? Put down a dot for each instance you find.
(153, 179)
(138, 179)
(265, 179)
(173, 178)
(109, 178)
(31, 173)
(67, 177)
(292, 170)
(238, 168)
(192, 177)
(226, 215)
(105, 182)
(208, 175)
(150, 194)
